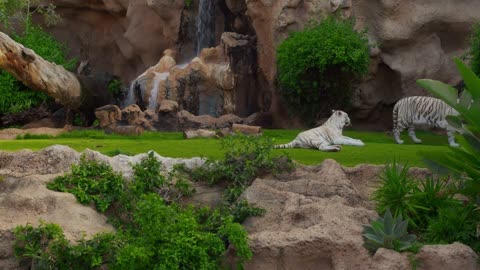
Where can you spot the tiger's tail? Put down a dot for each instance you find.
(284, 146)
(395, 118)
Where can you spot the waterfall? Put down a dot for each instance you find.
(205, 25)
(130, 99)
(152, 101)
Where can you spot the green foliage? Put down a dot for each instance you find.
(245, 158)
(318, 66)
(416, 200)
(463, 162)
(188, 3)
(16, 97)
(153, 232)
(454, 224)
(397, 192)
(91, 182)
(117, 152)
(115, 87)
(172, 238)
(475, 49)
(388, 232)
(45, 247)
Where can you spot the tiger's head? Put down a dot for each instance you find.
(339, 119)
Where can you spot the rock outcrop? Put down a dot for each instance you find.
(409, 40)
(314, 220)
(170, 118)
(221, 80)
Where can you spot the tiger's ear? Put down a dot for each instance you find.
(333, 111)
(339, 113)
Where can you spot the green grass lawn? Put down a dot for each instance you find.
(379, 148)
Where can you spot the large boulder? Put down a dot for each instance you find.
(314, 220)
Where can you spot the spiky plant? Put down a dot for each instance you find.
(388, 232)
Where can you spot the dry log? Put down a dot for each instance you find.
(39, 74)
(129, 130)
(245, 129)
(203, 133)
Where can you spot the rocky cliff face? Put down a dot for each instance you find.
(409, 40)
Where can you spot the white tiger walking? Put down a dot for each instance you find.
(411, 111)
(328, 137)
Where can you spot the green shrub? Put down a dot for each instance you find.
(317, 67)
(91, 182)
(188, 3)
(388, 232)
(475, 49)
(168, 237)
(454, 224)
(117, 152)
(45, 247)
(153, 232)
(245, 158)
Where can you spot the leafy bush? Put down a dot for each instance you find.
(153, 232)
(454, 224)
(475, 49)
(318, 66)
(171, 238)
(91, 182)
(388, 232)
(45, 247)
(245, 158)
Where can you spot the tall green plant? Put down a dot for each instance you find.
(397, 193)
(318, 66)
(464, 162)
(475, 49)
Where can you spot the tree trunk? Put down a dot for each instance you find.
(245, 129)
(39, 74)
(203, 133)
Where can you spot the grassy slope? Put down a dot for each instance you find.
(379, 148)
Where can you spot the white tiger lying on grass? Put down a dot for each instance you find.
(328, 137)
(415, 110)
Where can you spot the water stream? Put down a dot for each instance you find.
(205, 25)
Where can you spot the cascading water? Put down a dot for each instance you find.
(130, 99)
(205, 25)
(152, 101)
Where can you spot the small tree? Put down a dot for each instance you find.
(317, 67)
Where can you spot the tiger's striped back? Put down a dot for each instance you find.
(420, 110)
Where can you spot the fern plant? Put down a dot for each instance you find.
(388, 232)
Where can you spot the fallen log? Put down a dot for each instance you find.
(245, 129)
(203, 133)
(74, 91)
(129, 130)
